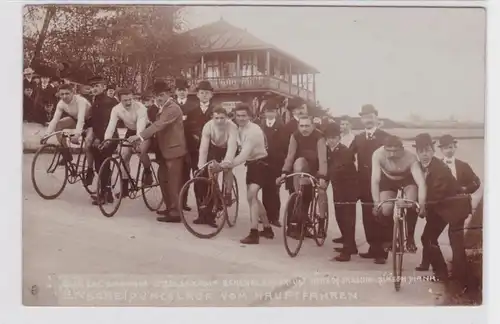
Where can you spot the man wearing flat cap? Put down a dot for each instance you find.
(363, 146)
(100, 112)
(168, 129)
(181, 97)
(443, 208)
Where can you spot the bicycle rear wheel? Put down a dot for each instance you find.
(397, 252)
(112, 195)
(152, 195)
(319, 224)
(49, 174)
(210, 214)
(233, 205)
(84, 168)
(294, 225)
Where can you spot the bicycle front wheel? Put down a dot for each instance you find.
(233, 203)
(319, 223)
(209, 216)
(109, 195)
(294, 225)
(49, 173)
(397, 252)
(151, 194)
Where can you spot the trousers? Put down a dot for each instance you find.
(170, 178)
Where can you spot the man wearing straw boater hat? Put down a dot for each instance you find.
(363, 146)
(444, 207)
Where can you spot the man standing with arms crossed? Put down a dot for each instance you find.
(363, 146)
(169, 131)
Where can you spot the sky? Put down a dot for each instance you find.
(424, 61)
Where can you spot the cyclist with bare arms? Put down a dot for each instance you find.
(394, 167)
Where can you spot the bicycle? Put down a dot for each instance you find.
(149, 193)
(295, 220)
(399, 233)
(61, 170)
(211, 202)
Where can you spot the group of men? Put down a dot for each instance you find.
(370, 166)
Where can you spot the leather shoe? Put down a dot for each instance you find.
(343, 257)
(267, 232)
(422, 267)
(367, 255)
(186, 208)
(252, 238)
(162, 212)
(379, 260)
(275, 223)
(338, 240)
(169, 219)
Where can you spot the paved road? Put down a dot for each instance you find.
(72, 255)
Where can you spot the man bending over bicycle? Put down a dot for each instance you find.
(135, 117)
(77, 111)
(306, 153)
(219, 143)
(394, 167)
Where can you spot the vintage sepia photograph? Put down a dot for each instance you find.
(252, 156)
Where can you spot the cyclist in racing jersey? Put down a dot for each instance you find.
(395, 167)
(72, 112)
(219, 143)
(307, 153)
(134, 116)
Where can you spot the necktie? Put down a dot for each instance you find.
(449, 162)
(369, 136)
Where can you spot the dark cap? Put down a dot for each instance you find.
(111, 86)
(147, 95)
(270, 105)
(204, 85)
(423, 140)
(181, 84)
(55, 79)
(393, 141)
(96, 79)
(446, 140)
(331, 130)
(368, 109)
(160, 87)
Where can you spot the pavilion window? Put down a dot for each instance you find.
(247, 66)
(213, 68)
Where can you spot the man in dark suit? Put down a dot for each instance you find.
(100, 112)
(169, 131)
(363, 146)
(444, 207)
(28, 102)
(181, 97)
(343, 176)
(276, 148)
(469, 182)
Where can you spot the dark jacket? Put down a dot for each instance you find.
(342, 173)
(466, 177)
(28, 109)
(168, 128)
(443, 198)
(276, 144)
(100, 113)
(194, 121)
(363, 149)
(291, 127)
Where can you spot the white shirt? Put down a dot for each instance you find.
(450, 163)
(134, 118)
(182, 101)
(370, 132)
(347, 139)
(204, 106)
(270, 122)
(78, 109)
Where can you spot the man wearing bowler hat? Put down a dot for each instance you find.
(443, 208)
(468, 180)
(363, 146)
(169, 131)
(181, 97)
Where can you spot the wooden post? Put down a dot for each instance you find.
(314, 86)
(202, 67)
(268, 63)
(290, 78)
(238, 65)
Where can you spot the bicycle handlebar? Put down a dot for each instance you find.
(409, 201)
(123, 141)
(311, 178)
(203, 167)
(64, 133)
